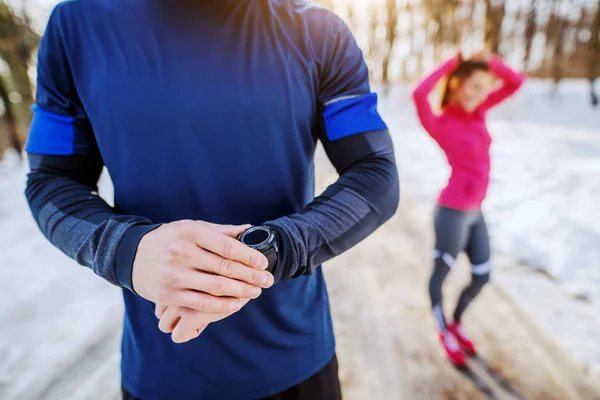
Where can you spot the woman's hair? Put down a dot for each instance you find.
(464, 70)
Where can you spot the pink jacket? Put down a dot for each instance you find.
(463, 136)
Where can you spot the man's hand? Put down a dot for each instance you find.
(186, 324)
(200, 266)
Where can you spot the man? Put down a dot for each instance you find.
(210, 111)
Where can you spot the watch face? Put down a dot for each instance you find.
(256, 237)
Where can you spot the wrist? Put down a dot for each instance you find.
(288, 252)
(126, 252)
(265, 240)
(494, 61)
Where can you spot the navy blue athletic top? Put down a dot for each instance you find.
(209, 110)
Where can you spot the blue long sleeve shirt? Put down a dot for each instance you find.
(210, 111)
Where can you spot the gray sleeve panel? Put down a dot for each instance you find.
(78, 222)
(362, 199)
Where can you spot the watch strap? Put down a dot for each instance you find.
(271, 255)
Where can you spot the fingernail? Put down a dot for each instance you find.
(267, 280)
(264, 263)
(255, 292)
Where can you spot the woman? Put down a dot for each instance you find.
(460, 130)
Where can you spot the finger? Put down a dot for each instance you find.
(181, 336)
(205, 261)
(159, 310)
(169, 319)
(230, 230)
(228, 247)
(190, 326)
(217, 285)
(193, 322)
(214, 317)
(200, 317)
(207, 303)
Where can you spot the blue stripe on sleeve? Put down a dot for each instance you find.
(51, 134)
(351, 116)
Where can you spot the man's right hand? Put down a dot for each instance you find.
(199, 265)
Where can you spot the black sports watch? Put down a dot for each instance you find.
(263, 239)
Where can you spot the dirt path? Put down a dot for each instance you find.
(386, 336)
(61, 324)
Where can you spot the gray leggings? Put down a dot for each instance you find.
(456, 231)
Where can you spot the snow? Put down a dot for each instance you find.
(541, 209)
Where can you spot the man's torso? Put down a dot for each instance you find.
(207, 110)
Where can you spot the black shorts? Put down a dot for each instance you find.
(324, 385)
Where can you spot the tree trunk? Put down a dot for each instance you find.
(22, 85)
(433, 18)
(416, 49)
(351, 17)
(17, 43)
(467, 26)
(594, 56)
(494, 15)
(10, 121)
(372, 34)
(530, 31)
(390, 38)
(551, 35)
(559, 47)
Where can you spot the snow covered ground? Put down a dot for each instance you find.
(542, 208)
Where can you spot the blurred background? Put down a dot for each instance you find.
(540, 320)
(547, 38)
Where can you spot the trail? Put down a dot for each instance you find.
(387, 345)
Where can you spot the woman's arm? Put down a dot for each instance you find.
(511, 82)
(421, 92)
